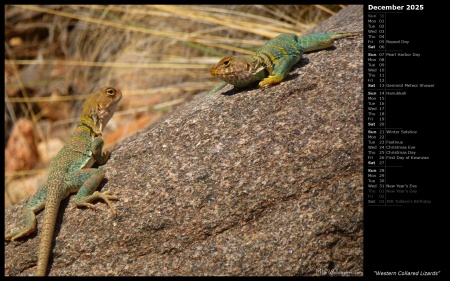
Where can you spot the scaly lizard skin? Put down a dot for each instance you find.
(273, 61)
(70, 171)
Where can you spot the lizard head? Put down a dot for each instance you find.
(102, 105)
(238, 70)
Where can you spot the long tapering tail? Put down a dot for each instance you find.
(337, 35)
(320, 41)
(45, 246)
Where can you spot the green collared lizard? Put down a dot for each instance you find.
(70, 171)
(272, 61)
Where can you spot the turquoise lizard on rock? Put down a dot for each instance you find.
(70, 171)
(273, 61)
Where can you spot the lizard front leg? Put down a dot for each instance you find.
(218, 87)
(280, 70)
(99, 156)
(89, 179)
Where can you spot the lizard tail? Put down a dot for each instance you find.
(45, 246)
(320, 41)
(337, 35)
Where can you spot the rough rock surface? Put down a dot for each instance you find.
(251, 182)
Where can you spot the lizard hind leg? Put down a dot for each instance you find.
(34, 205)
(90, 180)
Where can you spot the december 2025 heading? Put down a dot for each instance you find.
(395, 7)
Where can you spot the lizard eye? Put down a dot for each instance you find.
(226, 63)
(110, 91)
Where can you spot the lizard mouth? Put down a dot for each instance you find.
(229, 75)
(241, 77)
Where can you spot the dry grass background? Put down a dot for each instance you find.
(159, 56)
